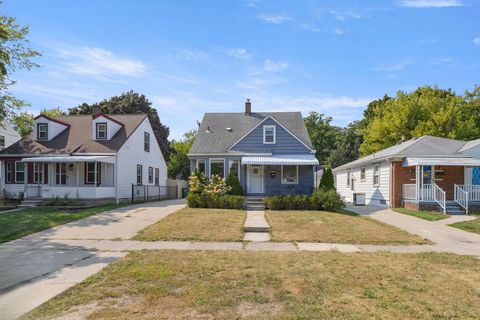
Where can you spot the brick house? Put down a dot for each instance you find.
(426, 173)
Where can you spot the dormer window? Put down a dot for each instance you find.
(101, 130)
(42, 131)
(269, 134)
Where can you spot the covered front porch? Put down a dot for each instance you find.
(440, 182)
(278, 174)
(75, 177)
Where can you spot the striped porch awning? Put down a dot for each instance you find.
(281, 159)
(447, 161)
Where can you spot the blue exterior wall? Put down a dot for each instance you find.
(272, 185)
(285, 142)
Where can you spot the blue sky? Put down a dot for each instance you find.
(190, 57)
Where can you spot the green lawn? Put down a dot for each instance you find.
(324, 226)
(192, 224)
(274, 285)
(426, 215)
(470, 226)
(14, 225)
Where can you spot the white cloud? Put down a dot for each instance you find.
(240, 53)
(477, 41)
(391, 67)
(272, 67)
(252, 3)
(430, 3)
(343, 15)
(309, 27)
(190, 55)
(338, 31)
(101, 63)
(276, 19)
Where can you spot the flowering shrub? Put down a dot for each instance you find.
(217, 186)
(197, 182)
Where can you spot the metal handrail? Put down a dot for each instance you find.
(440, 197)
(461, 197)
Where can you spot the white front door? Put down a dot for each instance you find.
(255, 179)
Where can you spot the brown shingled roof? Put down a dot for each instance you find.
(77, 137)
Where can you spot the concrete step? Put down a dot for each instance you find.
(256, 222)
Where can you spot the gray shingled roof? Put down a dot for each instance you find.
(218, 140)
(425, 146)
(77, 137)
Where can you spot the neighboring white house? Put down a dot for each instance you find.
(8, 135)
(90, 157)
(425, 173)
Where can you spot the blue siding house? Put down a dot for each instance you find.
(270, 152)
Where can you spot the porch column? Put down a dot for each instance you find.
(25, 178)
(419, 196)
(77, 164)
(95, 177)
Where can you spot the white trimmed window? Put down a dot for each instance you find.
(19, 172)
(362, 174)
(2, 141)
(348, 178)
(376, 175)
(200, 166)
(150, 174)
(101, 130)
(42, 131)
(217, 167)
(269, 134)
(157, 176)
(290, 174)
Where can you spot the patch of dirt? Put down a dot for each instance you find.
(265, 310)
(80, 312)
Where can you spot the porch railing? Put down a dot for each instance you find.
(409, 191)
(288, 189)
(33, 191)
(473, 191)
(440, 197)
(461, 197)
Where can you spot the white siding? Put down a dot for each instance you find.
(54, 128)
(132, 153)
(11, 136)
(112, 127)
(374, 195)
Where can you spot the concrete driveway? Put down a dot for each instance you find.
(447, 238)
(38, 267)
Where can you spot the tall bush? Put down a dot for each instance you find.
(234, 183)
(327, 182)
(197, 182)
(217, 186)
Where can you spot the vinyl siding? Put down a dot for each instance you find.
(373, 194)
(285, 142)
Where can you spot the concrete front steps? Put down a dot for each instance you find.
(30, 202)
(255, 203)
(452, 208)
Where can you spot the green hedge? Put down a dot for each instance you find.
(218, 202)
(319, 200)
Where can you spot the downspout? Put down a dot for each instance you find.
(116, 180)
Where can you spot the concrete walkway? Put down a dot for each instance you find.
(437, 232)
(35, 268)
(256, 227)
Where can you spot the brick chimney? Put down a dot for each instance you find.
(248, 107)
(96, 111)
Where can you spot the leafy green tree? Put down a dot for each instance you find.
(178, 165)
(326, 182)
(426, 111)
(55, 112)
(233, 182)
(23, 122)
(14, 55)
(347, 144)
(322, 134)
(131, 103)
